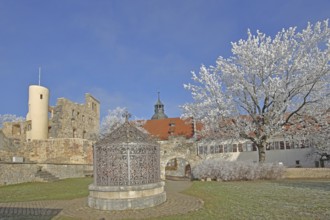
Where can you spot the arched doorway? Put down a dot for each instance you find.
(178, 169)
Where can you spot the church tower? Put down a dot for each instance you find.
(159, 110)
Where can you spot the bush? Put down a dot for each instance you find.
(237, 170)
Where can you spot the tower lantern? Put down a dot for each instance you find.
(159, 110)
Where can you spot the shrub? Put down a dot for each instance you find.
(237, 170)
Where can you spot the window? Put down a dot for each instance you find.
(234, 147)
(171, 128)
(40, 96)
(248, 147)
(212, 149)
(16, 129)
(200, 150)
(254, 147)
(216, 149)
(220, 148)
(288, 145)
(51, 113)
(205, 150)
(94, 108)
(282, 145)
(240, 147)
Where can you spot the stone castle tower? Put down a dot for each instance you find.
(159, 110)
(37, 116)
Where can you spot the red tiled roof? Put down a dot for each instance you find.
(164, 128)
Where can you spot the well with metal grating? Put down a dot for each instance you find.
(126, 171)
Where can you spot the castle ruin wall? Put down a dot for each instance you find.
(65, 150)
(73, 120)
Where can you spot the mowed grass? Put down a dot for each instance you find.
(283, 199)
(59, 190)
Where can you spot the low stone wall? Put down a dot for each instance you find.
(14, 173)
(17, 173)
(321, 173)
(64, 171)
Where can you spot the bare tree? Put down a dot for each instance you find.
(267, 86)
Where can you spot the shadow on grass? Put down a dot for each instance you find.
(323, 185)
(17, 213)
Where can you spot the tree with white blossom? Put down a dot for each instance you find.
(267, 86)
(115, 118)
(320, 136)
(112, 120)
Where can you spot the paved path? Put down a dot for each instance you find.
(176, 203)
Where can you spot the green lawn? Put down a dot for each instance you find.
(59, 190)
(283, 199)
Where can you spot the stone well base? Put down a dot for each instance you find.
(126, 197)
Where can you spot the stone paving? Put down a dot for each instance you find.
(176, 204)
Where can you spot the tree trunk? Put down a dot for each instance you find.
(262, 153)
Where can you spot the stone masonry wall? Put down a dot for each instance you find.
(61, 151)
(15, 130)
(64, 171)
(73, 120)
(17, 173)
(11, 173)
(179, 169)
(7, 146)
(179, 147)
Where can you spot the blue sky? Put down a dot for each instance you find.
(123, 52)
